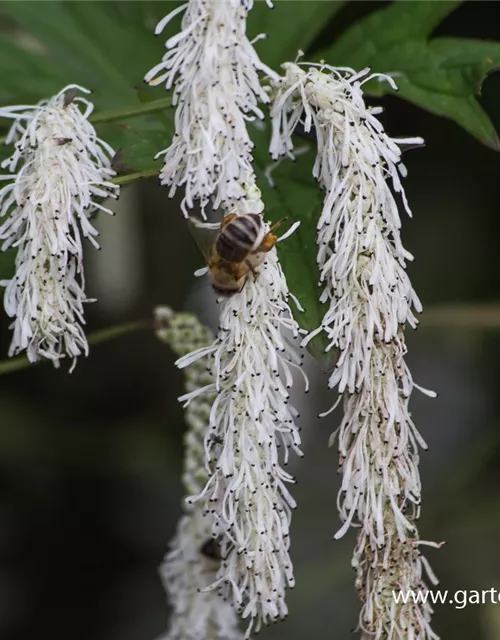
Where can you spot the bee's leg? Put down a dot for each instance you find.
(269, 240)
(278, 224)
(267, 243)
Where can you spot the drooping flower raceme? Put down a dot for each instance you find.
(58, 174)
(193, 559)
(362, 268)
(252, 363)
(212, 68)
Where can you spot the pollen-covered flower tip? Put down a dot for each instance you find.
(57, 179)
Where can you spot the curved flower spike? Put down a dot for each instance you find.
(252, 361)
(370, 299)
(58, 175)
(212, 68)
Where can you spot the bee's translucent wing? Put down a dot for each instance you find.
(205, 235)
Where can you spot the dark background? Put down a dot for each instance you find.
(90, 462)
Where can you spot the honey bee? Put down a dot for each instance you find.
(233, 249)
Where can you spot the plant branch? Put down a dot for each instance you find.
(462, 316)
(126, 112)
(131, 112)
(103, 335)
(132, 177)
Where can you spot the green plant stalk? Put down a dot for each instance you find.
(126, 112)
(132, 177)
(103, 335)
(471, 317)
(131, 112)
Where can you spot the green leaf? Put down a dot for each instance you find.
(137, 139)
(137, 156)
(136, 142)
(383, 29)
(471, 60)
(442, 75)
(101, 45)
(289, 27)
(296, 196)
(25, 76)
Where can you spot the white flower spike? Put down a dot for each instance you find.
(362, 269)
(193, 560)
(252, 363)
(212, 68)
(58, 175)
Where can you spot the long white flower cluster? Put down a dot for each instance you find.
(252, 364)
(213, 69)
(362, 265)
(58, 174)
(194, 556)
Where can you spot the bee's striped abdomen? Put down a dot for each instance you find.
(238, 237)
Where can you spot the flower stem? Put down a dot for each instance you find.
(132, 177)
(473, 317)
(127, 112)
(130, 112)
(22, 362)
